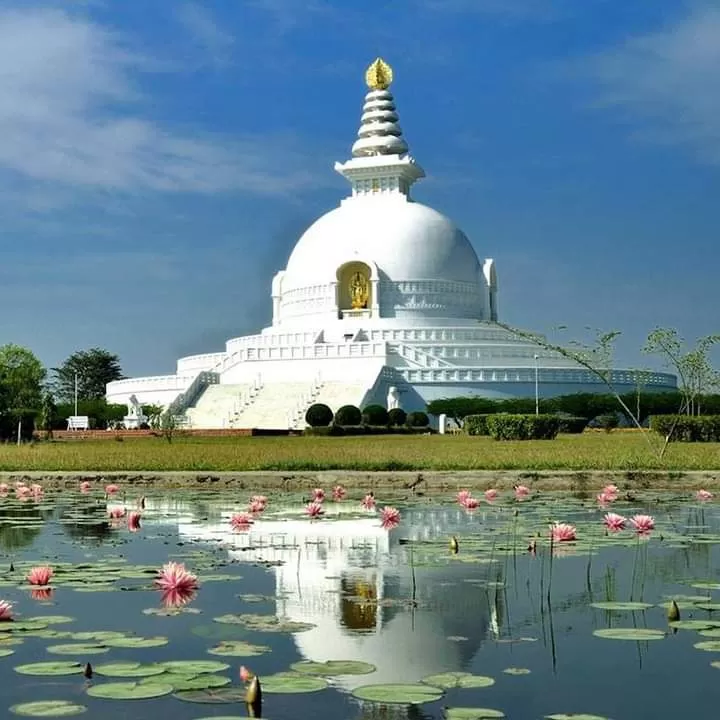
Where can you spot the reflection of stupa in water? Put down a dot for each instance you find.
(354, 582)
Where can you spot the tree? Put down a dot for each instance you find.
(94, 369)
(21, 379)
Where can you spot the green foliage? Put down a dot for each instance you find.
(476, 425)
(684, 428)
(318, 415)
(348, 415)
(397, 417)
(350, 430)
(523, 427)
(608, 422)
(99, 412)
(418, 419)
(21, 378)
(47, 413)
(375, 415)
(95, 368)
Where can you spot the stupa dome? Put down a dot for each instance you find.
(404, 239)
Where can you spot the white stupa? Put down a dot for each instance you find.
(380, 293)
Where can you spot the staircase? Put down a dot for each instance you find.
(337, 394)
(277, 406)
(219, 405)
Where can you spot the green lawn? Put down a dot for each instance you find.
(590, 451)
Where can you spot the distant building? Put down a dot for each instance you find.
(380, 292)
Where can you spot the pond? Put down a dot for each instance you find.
(449, 612)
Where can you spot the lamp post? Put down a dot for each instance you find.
(76, 394)
(537, 394)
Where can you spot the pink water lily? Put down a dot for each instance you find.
(4, 488)
(314, 510)
(5, 611)
(521, 492)
(318, 495)
(112, 488)
(614, 522)
(643, 524)
(563, 532)
(389, 518)
(40, 575)
(177, 597)
(174, 576)
(256, 506)
(491, 495)
(133, 520)
(703, 495)
(462, 496)
(241, 521)
(470, 503)
(115, 513)
(339, 493)
(245, 674)
(41, 594)
(368, 502)
(85, 486)
(604, 499)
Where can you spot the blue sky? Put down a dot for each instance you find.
(159, 160)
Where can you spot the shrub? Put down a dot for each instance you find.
(375, 415)
(608, 422)
(318, 415)
(476, 425)
(397, 417)
(523, 427)
(418, 419)
(348, 415)
(572, 425)
(324, 431)
(687, 428)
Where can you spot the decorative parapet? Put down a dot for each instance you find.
(187, 398)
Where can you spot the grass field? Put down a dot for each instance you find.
(590, 451)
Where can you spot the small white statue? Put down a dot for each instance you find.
(393, 398)
(133, 406)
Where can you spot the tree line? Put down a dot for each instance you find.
(35, 397)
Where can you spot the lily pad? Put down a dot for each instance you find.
(265, 623)
(516, 671)
(708, 645)
(238, 648)
(621, 606)
(292, 682)
(711, 633)
(129, 690)
(213, 696)
(333, 667)
(575, 716)
(78, 649)
(459, 713)
(458, 680)
(48, 708)
(197, 682)
(128, 669)
(637, 634)
(50, 668)
(136, 642)
(706, 585)
(399, 693)
(194, 667)
(50, 620)
(4, 652)
(692, 624)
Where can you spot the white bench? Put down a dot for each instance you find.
(78, 422)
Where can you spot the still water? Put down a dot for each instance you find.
(346, 589)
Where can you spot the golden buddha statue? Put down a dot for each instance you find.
(359, 291)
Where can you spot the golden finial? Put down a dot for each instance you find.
(379, 75)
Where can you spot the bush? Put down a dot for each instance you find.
(324, 431)
(348, 415)
(397, 417)
(476, 425)
(418, 419)
(318, 415)
(687, 428)
(608, 422)
(375, 415)
(523, 427)
(572, 425)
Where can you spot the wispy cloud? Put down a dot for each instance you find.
(199, 22)
(668, 82)
(72, 117)
(508, 9)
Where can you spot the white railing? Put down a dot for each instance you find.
(245, 400)
(416, 355)
(159, 382)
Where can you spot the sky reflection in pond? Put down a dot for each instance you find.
(400, 601)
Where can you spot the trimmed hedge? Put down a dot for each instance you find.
(687, 428)
(523, 427)
(397, 417)
(348, 415)
(318, 415)
(375, 415)
(337, 430)
(418, 419)
(476, 425)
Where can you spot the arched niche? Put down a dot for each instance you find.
(356, 287)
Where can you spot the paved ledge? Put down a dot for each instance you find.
(421, 482)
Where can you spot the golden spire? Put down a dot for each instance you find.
(379, 75)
